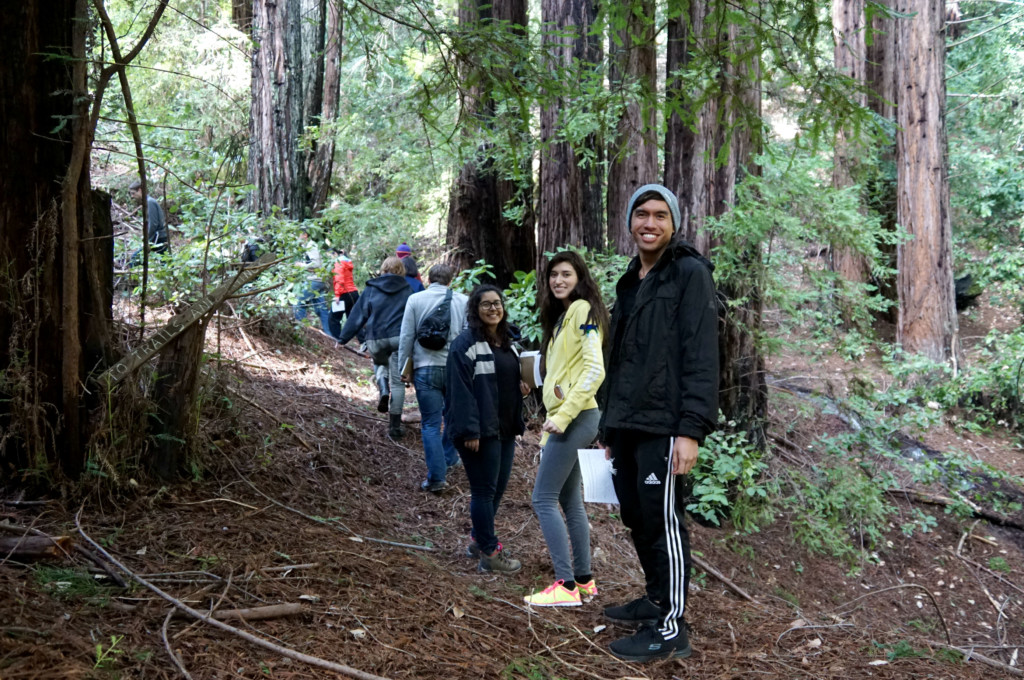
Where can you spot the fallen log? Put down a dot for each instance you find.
(272, 611)
(34, 547)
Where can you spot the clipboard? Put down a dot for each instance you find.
(529, 369)
(407, 371)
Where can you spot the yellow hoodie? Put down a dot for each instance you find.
(575, 365)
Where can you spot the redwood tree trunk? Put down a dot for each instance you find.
(478, 228)
(849, 52)
(566, 214)
(710, 141)
(633, 156)
(294, 45)
(927, 314)
(53, 321)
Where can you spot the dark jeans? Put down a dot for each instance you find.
(437, 447)
(488, 470)
(652, 504)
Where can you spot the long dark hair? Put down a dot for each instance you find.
(473, 320)
(551, 308)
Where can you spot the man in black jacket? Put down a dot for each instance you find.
(661, 401)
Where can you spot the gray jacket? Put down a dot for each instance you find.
(419, 306)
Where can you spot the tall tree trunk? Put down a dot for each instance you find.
(849, 52)
(53, 321)
(565, 207)
(880, 74)
(478, 227)
(241, 14)
(633, 157)
(321, 162)
(927, 314)
(710, 143)
(289, 65)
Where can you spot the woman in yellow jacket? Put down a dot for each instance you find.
(574, 320)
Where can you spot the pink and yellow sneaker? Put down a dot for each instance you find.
(555, 595)
(588, 590)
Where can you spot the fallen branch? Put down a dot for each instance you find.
(976, 510)
(273, 611)
(289, 567)
(102, 564)
(266, 644)
(291, 430)
(927, 592)
(721, 577)
(969, 654)
(167, 646)
(334, 524)
(34, 547)
(971, 562)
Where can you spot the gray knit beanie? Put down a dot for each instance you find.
(670, 198)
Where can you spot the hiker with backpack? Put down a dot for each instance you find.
(426, 334)
(379, 311)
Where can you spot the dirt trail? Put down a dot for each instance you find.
(291, 491)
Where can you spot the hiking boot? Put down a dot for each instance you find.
(498, 563)
(382, 403)
(473, 549)
(638, 612)
(647, 644)
(434, 487)
(555, 595)
(587, 590)
(395, 429)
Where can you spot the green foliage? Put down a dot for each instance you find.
(105, 656)
(998, 564)
(520, 299)
(66, 584)
(727, 476)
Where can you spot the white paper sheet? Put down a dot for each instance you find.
(597, 477)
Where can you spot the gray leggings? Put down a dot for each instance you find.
(386, 371)
(558, 483)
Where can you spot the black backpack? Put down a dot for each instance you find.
(433, 330)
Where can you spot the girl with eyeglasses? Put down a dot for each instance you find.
(574, 320)
(484, 415)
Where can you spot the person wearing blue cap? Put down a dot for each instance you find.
(661, 401)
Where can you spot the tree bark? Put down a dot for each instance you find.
(565, 204)
(633, 156)
(478, 228)
(849, 52)
(54, 324)
(709, 146)
(297, 48)
(927, 322)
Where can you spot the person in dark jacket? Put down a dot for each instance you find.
(661, 401)
(412, 270)
(379, 311)
(157, 225)
(484, 415)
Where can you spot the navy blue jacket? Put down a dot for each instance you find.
(471, 390)
(380, 308)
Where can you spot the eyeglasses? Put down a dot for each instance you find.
(491, 304)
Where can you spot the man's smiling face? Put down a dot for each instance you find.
(651, 226)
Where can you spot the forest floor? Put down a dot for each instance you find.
(299, 497)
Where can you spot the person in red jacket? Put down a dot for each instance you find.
(345, 291)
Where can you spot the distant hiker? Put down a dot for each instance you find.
(484, 413)
(412, 270)
(429, 372)
(379, 310)
(345, 292)
(312, 294)
(157, 228)
(660, 402)
(574, 320)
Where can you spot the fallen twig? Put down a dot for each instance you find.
(971, 562)
(272, 611)
(927, 592)
(102, 564)
(170, 652)
(266, 644)
(969, 654)
(700, 562)
(291, 430)
(334, 524)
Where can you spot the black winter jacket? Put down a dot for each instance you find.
(471, 390)
(663, 372)
(381, 305)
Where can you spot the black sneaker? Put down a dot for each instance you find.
(434, 487)
(647, 644)
(638, 612)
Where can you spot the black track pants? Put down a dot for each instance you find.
(652, 506)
